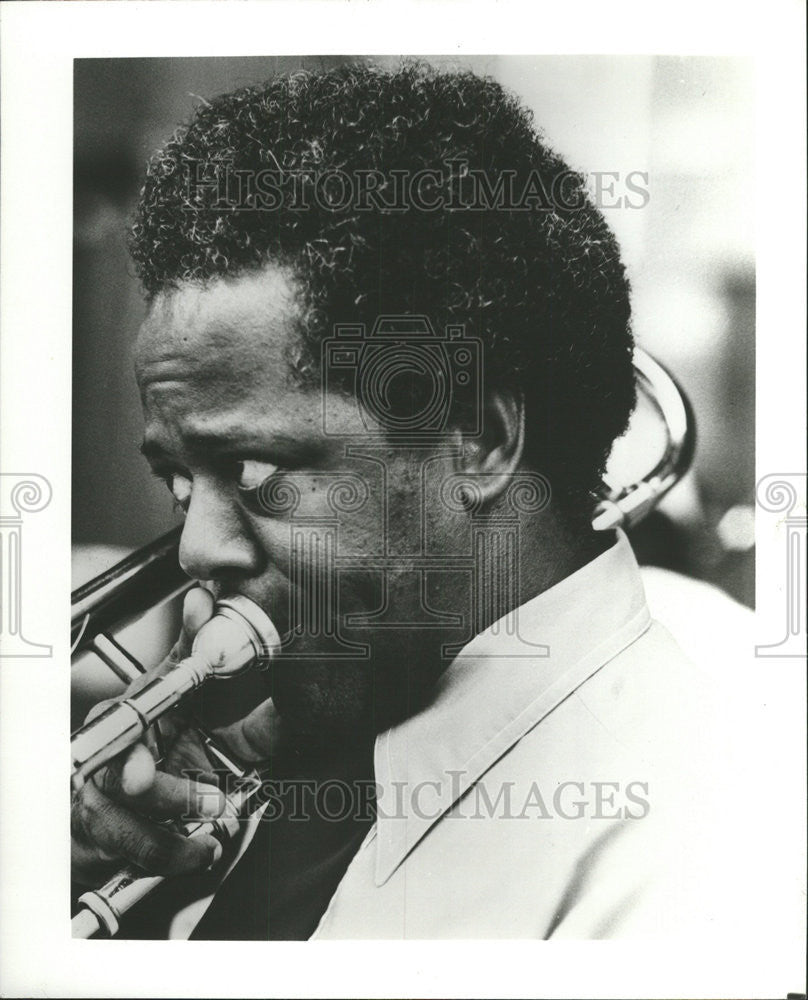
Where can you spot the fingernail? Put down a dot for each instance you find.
(209, 801)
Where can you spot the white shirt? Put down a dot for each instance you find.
(574, 776)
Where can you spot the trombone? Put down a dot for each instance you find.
(240, 635)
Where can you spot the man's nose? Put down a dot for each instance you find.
(216, 542)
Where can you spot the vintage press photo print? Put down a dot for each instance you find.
(414, 488)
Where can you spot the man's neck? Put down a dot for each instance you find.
(551, 550)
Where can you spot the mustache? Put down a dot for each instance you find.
(270, 604)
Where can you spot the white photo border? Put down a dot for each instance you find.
(40, 42)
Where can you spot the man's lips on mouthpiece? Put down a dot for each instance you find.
(275, 608)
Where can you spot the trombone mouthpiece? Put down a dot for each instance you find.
(238, 635)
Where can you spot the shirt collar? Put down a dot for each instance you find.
(501, 685)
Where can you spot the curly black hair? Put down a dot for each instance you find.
(540, 281)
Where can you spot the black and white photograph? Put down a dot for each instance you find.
(436, 589)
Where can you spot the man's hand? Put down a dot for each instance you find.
(115, 818)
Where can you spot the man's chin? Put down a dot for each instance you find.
(344, 701)
(323, 701)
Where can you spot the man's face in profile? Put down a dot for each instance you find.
(269, 494)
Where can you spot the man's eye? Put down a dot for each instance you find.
(180, 487)
(251, 473)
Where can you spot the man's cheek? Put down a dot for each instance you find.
(352, 500)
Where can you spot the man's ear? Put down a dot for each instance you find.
(491, 458)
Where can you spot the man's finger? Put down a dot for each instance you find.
(138, 771)
(197, 609)
(136, 763)
(137, 784)
(255, 737)
(120, 833)
(172, 797)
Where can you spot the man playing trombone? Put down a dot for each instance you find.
(386, 355)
